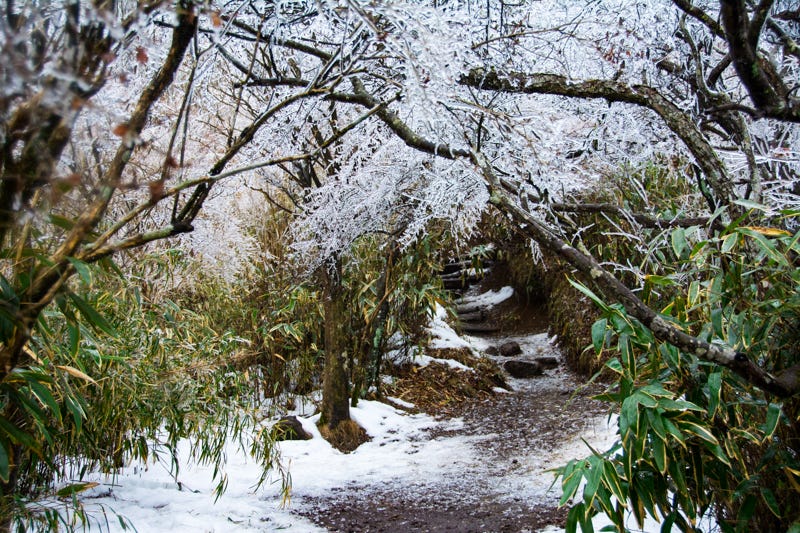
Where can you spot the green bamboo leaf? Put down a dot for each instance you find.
(771, 422)
(4, 470)
(729, 242)
(599, 335)
(656, 421)
(73, 489)
(612, 481)
(573, 518)
(697, 430)
(629, 416)
(82, 269)
(678, 241)
(614, 364)
(714, 392)
(677, 405)
(76, 409)
(766, 245)
(660, 281)
(588, 292)
(719, 453)
(91, 315)
(693, 293)
(666, 525)
(44, 396)
(749, 204)
(62, 222)
(673, 430)
(593, 478)
(16, 435)
(660, 455)
(656, 390)
(572, 476)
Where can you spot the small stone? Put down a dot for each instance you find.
(491, 350)
(523, 369)
(289, 428)
(510, 348)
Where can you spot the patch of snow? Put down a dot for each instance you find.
(442, 335)
(425, 360)
(150, 498)
(489, 298)
(401, 403)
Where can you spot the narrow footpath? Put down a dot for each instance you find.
(519, 436)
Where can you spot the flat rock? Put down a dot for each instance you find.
(547, 361)
(523, 369)
(510, 349)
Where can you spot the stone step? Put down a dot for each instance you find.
(472, 316)
(479, 328)
(470, 307)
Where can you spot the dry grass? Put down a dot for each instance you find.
(437, 388)
(346, 436)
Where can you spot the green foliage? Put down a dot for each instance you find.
(694, 437)
(116, 377)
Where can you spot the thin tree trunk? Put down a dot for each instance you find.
(378, 330)
(335, 397)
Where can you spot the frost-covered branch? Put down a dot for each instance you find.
(641, 219)
(641, 95)
(765, 85)
(50, 273)
(785, 385)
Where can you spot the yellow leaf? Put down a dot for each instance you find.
(32, 355)
(74, 372)
(769, 232)
(791, 474)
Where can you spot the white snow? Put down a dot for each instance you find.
(400, 453)
(489, 298)
(399, 450)
(442, 335)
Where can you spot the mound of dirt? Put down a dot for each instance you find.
(438, 388)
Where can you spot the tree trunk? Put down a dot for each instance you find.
(378, 330)
(335, 397)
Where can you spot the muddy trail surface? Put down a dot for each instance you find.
(519, 436)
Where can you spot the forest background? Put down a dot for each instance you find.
(208, 206)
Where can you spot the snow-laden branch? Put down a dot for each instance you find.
(641, 95)
(765, 85)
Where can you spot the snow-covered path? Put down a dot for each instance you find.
(485, 470)
(499, 481)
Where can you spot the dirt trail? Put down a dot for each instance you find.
(517, 435)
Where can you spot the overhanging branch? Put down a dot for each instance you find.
(783, 386)
(612, 91)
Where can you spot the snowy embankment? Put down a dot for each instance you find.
(401, 453)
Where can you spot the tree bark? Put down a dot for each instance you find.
(335, 389)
